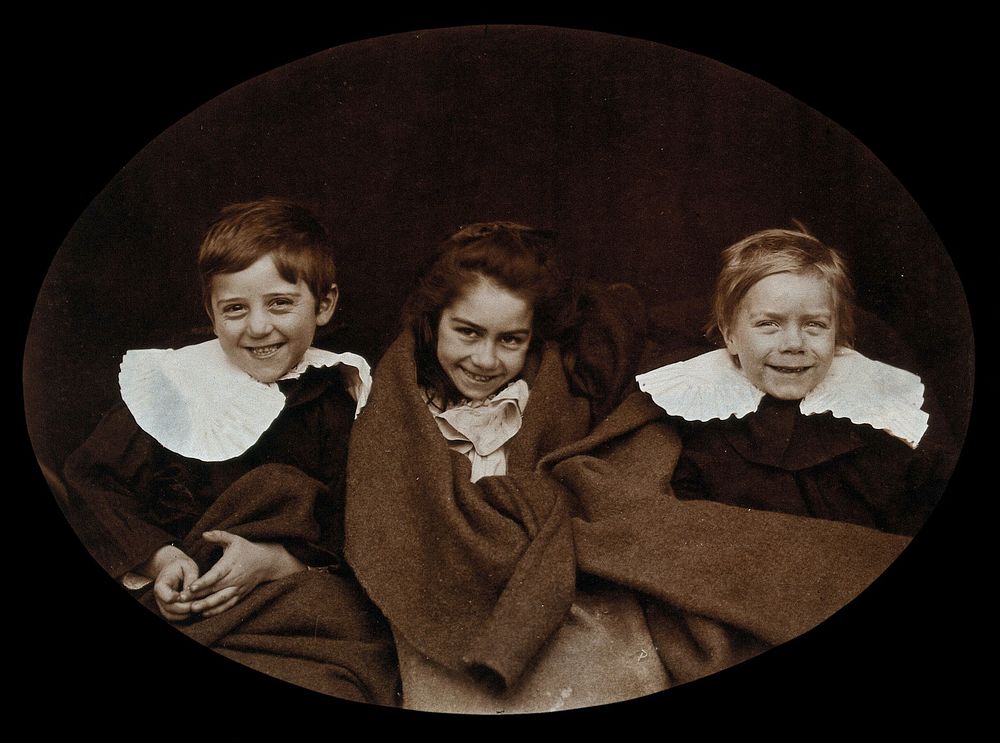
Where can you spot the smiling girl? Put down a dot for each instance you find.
(788, 417)
(496, 390)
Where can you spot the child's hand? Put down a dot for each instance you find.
(243, 566)
(175, 573)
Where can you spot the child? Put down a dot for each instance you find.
(240, 443)
(527, 559)
(481, 326)
(788, 417)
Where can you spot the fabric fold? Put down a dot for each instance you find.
(477, 576)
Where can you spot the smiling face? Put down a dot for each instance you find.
(784, 333)
(264, 322)
(483, 338)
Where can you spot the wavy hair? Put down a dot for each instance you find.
(519, 258)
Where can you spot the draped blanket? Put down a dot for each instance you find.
(313, 628)
(477, 576)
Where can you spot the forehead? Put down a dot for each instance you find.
(790, 292)
(260, 277)
(491, 306)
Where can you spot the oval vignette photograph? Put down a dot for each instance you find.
(499, 370)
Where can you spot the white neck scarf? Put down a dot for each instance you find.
(481, 430)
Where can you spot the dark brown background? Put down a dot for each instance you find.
(647, 160)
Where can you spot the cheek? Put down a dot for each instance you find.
(824, 347)
(446, 350)
(763, 346)
(752, 349)
(223, 329)
(514, 361)
(304, 326)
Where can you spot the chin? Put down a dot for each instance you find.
(267, 376)
(788, 392)
(475, 395)
(786, 395)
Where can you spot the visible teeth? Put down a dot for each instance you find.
(477, 377)
(790, 369)
(264, 350)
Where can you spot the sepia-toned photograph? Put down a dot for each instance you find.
(507, 370)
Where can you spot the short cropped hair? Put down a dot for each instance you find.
(243, 233)
(770, 252)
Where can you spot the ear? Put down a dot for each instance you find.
(211, 319)
(206, 303)
(326, 305)
(730, 342)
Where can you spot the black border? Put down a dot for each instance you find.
(898, 654)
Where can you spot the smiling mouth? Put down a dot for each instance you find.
(789, 369)
(264, 352)
(479, 378)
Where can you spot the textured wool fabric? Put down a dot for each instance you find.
(312, 628)
(478, 576)
(128, 496)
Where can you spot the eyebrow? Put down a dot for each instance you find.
(474, 326)
(271, 295)
(772, 313)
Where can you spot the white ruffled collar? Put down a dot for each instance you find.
(197, 403)
(860, 389)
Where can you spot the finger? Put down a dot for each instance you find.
(189, 595)
(189, 572)
(163, 589)
(217, 572)
(218, 536)
(216, 599)
(174, 612)
(169, 577)
(223, 607)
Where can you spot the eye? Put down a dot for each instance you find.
(233, 310)
(282, 303)
(466, 331)
(512, 341)
(817, 325)
(765, 324)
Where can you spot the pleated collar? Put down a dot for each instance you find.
(867, 392)
(195, 402)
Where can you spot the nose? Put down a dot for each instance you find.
(484, 356)
(792, 339)
(259, 322)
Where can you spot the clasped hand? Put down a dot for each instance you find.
(181, 593)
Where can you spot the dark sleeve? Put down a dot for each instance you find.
(601, 357)
(687, 482)
(328, 422)
(930, 469)
(925, 471)
(108, 481)
(896, 486)
(327, 551)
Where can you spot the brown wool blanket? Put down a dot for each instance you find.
(477, 576)
(315, 629)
